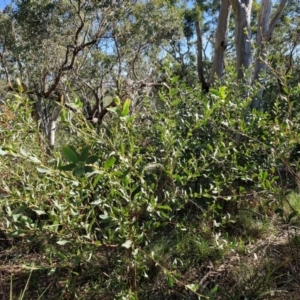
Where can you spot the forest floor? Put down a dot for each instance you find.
(267, 267)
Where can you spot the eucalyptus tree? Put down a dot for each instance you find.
(245, 20)
(84, 48)
(51, 41)
(248, 53)
(221, 40)
(283, 60)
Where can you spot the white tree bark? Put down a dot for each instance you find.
(242, 10)
(49, 118)
(221, 41)
(53, 123)
(262, 29)
(265, 30)
(52, 133)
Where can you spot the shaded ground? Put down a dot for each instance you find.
(268, 268)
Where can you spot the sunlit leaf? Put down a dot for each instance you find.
(214, 92)
(164, 207)
(109, 163)
(23, 152)
(126, 107)
(43, 170)
(34, 159)
(96, 202)
(63, 116)
(127, 244)
(39, 212)
(104, 217)
(117, 100)
(62, 242)
(2, 152)
(96, 180)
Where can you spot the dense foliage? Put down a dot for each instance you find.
(127, 173)
(147, 196)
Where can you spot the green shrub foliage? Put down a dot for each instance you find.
(179, 169)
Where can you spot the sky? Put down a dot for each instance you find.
(3, 3)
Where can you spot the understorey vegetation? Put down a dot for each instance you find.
(151, 205)
(149, 150)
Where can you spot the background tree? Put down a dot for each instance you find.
(83, 49)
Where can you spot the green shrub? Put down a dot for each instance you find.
(119, 205)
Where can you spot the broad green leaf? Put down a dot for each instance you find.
(70, 155)
(92, 159)
(109, 163)
(78, 171)
(117, 101)
(69, 167)
(170, 280)
(74, 150)
(78, 102)
(124, 174)
(174, 79)
(175, 102)
(291, 216)
(164, 207)
(214, 290)
(162, 97)
(222, 92)
(162, 214)
(122, 147)
(126, 107)
(96, 180)
(265, 175)
(88, 169)
(63, 116)
(84, 153)
(19, 210)
(214, 92)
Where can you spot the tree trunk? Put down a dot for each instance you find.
(221, 41)
(49, 118)
(242, 10)
(200, 67)
(265, 30)
(52, 132)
